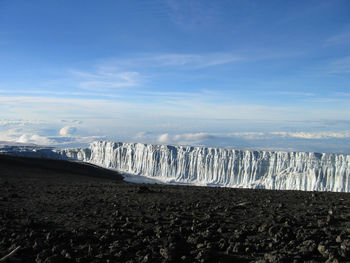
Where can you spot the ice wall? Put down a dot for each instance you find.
(222, 166)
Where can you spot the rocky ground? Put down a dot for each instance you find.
(58, 211)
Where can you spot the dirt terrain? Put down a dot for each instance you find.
(59, 211)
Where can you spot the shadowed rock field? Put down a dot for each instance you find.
(59, 211)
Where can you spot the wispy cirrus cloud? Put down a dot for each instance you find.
(186, 61)
(142, 70)
(343, 94)
(195, 61)
(104, 78)
(339, 39)
(18, 123)
(191, 14)
(172, 60)
(158, 108)
(139, 69)
(46, 92)
(292, 93)
(340, 66)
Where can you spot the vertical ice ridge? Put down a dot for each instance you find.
(222, 166)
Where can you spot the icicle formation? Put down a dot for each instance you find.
(221, 166)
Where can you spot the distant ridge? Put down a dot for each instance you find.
(24, 166)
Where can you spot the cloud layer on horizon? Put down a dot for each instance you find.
(289, 141)
(45, 133)
(62, 135)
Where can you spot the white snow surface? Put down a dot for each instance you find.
(278, 170)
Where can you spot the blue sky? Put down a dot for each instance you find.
(247, 74)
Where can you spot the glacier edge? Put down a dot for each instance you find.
(277, 170)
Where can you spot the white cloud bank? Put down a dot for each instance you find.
(314, 135)
(78, 134)
(279, 140)
(35, 139)
(67, 131)
(186, 138)
(200, 137)
(45, 133)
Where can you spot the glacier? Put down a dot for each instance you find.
(209, 166)
(278, 170)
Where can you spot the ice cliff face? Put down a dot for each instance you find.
(222, 166)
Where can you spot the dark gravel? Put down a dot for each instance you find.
(60, 211)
